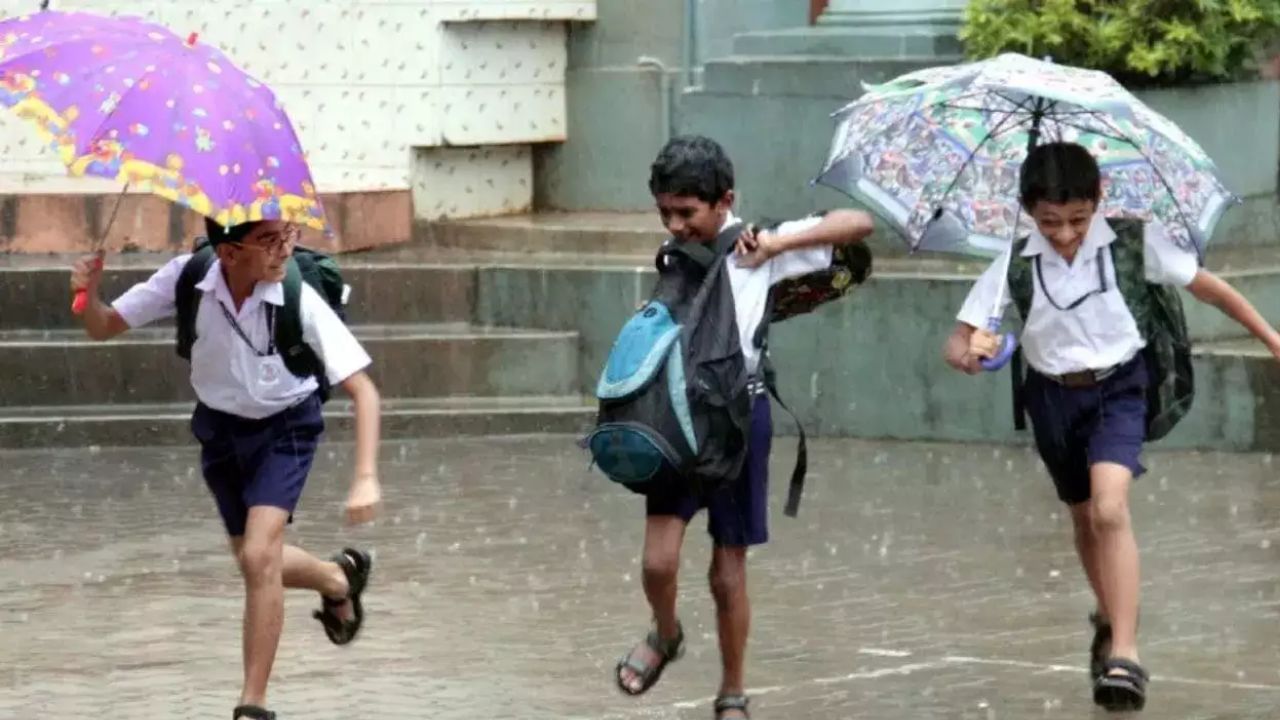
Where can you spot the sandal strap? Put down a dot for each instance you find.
(732, 702)
(252, 711)
(1136, 671)
(665, 648)
(355, 565)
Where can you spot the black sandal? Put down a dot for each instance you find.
(668, 651)
(725, 703)
(253, 712)
(1120, 693)
(1100, 649)
(356, 565)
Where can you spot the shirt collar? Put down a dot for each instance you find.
(213, 281)
(1099, 235)
(729, 221)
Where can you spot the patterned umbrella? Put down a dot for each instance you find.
(128, 100)
(938, 152)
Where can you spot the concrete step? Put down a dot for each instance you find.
(1237, 405)
(576, 233)
(833, 76)
(80, 426)
(938, 42)
(34, 289)
(410, 361)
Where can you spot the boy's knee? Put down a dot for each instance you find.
(661, 568)
(1109, 514)
(728, 577)
(260, 560)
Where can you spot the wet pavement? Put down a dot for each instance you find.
(920, 581)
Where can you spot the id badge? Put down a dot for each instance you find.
(270, 370)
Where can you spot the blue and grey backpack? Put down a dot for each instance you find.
(675, 401)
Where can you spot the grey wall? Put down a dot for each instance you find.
(616, 118)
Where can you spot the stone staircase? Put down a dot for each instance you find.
(441, 372)
(868, 366)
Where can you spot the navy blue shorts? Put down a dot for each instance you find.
(248, 463)
(738, 514)
(1078, 427)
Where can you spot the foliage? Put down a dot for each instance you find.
(1138, 42)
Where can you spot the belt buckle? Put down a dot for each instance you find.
(1077, 380)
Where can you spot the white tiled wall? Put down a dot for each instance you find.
(365, 81)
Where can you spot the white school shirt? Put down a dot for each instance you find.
(750, 286)
(226, 373)
(1100, 332)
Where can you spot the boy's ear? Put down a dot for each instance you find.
(726, 202)
(225, 252)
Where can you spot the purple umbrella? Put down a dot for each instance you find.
(126, 99)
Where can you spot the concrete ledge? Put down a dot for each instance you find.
(36, 295)
(168, 425)
(409, 361)
(39, 223)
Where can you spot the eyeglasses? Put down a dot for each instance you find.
(273, 242)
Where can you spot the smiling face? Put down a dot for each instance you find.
(691, 219)
(1064, 224)
(261, 254)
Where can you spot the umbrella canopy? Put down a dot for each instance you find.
(938, 152)
(125, 99)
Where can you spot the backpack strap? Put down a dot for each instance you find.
(1021, 279)
(700, 254)
(770, 377)
(1021, 290)
(187, 296)
(1128, 257)
(298, 357)
(801, 469)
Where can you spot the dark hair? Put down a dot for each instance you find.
(692, 165)
(1059, 172)
(219, 234)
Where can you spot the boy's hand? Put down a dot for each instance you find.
(755, 247)
(364, 499)
(86, 274)
(983, 344)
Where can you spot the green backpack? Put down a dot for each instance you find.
(316, 269)
(1157, 310)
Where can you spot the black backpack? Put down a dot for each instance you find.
(316, 269)
(675, 401)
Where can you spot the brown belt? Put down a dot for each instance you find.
(1083, 378)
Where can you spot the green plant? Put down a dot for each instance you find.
(1139, 42)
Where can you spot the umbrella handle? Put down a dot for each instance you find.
(1006, 349)
(81, 300)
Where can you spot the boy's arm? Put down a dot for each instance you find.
(146, 302)
(970, 342)
(837, 227)
(967, 346)
(101, 321)
(1213, 290)
(366, 493)
(345, 363)
(1167, 263)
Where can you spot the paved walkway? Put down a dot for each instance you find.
(919, 582)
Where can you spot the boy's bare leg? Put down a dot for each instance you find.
(260, 554)
(733, 617)
(304, 571)
(1117, 554)
(663, 536)
(1087, 548)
